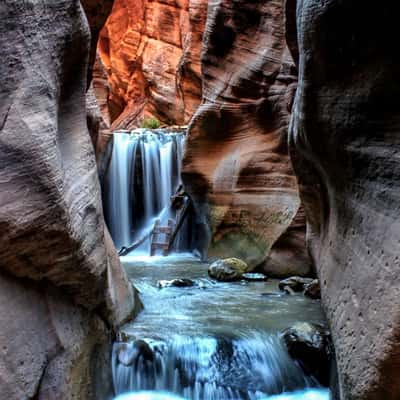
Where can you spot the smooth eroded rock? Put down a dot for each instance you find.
(62, 284)
(345, 148)
(236, 166)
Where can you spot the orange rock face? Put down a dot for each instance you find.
(151, 52)
(237, 166)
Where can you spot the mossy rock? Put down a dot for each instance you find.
(228, 269)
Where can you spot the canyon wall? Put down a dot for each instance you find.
(345, 146)
(150, 52)
(236, 166)
(61, 285)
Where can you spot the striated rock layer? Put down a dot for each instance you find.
(61, 284)
(345, 141)
(237, 167)
(151, 54)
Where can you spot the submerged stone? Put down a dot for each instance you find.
(175, 283)
(228, 269)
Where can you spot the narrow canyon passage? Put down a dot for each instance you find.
(199, 200)
(197, 337)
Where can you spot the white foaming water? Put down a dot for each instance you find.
(248, 367)
(310, 394)
(144, 172)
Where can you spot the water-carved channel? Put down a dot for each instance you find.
(196, 337)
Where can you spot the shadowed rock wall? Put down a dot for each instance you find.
(345, 146)
(61, 283)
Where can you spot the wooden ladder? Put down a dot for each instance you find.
(156, 238)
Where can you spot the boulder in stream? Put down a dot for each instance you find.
(228, 269)
(179, 282)
(309, 344)
(295, 283)
(313, 290)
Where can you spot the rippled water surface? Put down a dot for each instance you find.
(210, 307)
(210, 341)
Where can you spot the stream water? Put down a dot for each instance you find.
(210, 341)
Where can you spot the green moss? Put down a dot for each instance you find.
(151, 123)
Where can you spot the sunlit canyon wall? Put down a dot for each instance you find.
(156, 56)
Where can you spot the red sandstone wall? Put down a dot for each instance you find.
(151, 54)
(237, 166)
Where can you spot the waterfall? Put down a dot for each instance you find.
(144, 172)
(245, 368)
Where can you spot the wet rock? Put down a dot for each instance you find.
(313, 290)
(309, 344)
(295, 283)
(254, 277)
(175, 283)
(228, 269)
(129, 353)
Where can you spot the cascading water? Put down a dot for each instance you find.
(248, 367)
(144, 172)
(211, 340)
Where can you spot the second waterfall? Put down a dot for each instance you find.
(143, 175)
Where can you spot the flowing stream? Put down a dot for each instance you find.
(210, 341)
(207, 341)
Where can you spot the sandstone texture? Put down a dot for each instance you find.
(150, 51)
(345, 145)
(61, 284)
(236, 166)
(96, 13)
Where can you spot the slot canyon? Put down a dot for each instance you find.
(199, 200)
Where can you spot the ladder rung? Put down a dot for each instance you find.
(162, 245)
(163, 229)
